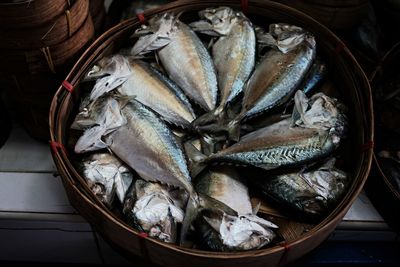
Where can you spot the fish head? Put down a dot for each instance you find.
(156, 212)
(91, 140)
(284, 37)
(322, 113)
(115, 65)
(216, 21)
(312, 205)
(240, 232)
(156, 34)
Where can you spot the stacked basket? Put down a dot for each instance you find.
(299, 238)
(40, 41)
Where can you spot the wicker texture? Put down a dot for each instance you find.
(35, 57)
(299, 238)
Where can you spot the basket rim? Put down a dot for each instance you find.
(61, 98)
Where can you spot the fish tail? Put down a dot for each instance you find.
(191, 213)
(234, 130)
(196, 159)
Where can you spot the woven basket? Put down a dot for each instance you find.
(299, 238)
(30, 13)
(53, 32)
(382, 193)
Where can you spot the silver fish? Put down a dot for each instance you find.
(233, 52)
(243, 232)
(224, 184)
(155, 209)
(144, 143)
(313, 192)
(312, 135)
(183, 57)
(107, 176)
(279, 73)
(150, 87)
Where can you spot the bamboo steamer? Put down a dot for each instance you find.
(30, 78)
(299, 238)
(30, 13)
(48, 58)
(379, 188)
(55, 31)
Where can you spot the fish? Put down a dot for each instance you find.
(311, 192)
(278, 74)
(224, 184)
(107, 176)
(155, 209)
(150, 87)
(233, 53)
(313, 132)
(99, 119)
(182, 54)
(144, 143)
(245, 231)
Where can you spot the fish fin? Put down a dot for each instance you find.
(148, 43)
(259, 220)
(234, 130)
(204, 27)
(256, 208)
(196, 159)
(106, 84)
(91, 140)
(191, 213)
(124, 100)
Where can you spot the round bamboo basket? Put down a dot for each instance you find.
(299, 238)
(383, 194)
(30, 13)
(53, 32)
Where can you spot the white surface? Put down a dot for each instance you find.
(22, 153)
(32, 192)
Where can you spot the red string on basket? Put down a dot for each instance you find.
(245, 6)
(143, 234)
(367, 146)
(339, 47)
(67, 86)
(287, 248)
(55, 146)
(141, 17)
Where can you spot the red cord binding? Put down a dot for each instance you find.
(67, 86)
(367, 146)
(55, 146)
(141, 18)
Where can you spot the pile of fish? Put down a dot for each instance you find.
(168, 129)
